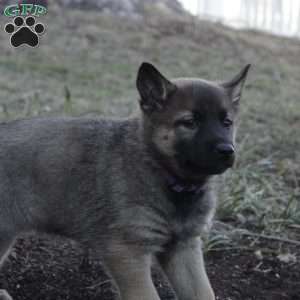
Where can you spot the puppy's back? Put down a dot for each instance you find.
(48, 169)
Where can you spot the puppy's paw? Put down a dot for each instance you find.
(208, 295)
(211, 296)
(4, 295)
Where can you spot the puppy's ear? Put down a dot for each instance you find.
(235, 86)
(153, 87)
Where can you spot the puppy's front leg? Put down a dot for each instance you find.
(132, 274)
(184, 267)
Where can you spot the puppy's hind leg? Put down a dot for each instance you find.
(6, 241)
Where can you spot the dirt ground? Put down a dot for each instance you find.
(40, 268)
(240, 274)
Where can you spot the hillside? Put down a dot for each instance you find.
(86, 64)
(128, 8)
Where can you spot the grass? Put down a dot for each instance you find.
(87, 63)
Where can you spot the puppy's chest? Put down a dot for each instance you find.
(188, 216)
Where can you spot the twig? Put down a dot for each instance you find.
(270, 237)
(229, 249)
(295, 226)
(98, 284)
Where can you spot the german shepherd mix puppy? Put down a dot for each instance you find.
(135, 190)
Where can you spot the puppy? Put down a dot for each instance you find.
(133, 190)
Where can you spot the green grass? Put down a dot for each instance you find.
(87, 62)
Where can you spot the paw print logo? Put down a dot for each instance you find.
(24, 31)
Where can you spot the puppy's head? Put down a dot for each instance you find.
(190, 122)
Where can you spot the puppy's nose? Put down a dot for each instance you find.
(225, 150)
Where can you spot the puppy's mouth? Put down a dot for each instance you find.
(208, 169)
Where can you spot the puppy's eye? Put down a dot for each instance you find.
(187, 123)
(227, 122)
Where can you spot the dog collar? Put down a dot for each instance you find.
(178, 186)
